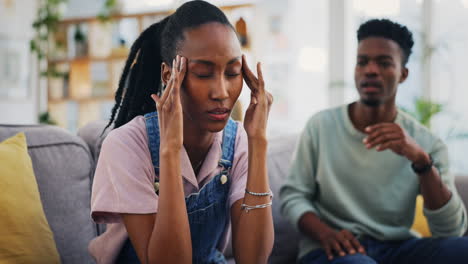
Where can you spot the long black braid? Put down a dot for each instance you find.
(159, 43)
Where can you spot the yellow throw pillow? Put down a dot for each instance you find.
(420, 222)
(25, 235)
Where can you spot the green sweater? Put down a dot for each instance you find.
(364, 191)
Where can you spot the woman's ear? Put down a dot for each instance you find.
(165, 73)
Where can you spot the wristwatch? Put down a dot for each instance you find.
(423, 169)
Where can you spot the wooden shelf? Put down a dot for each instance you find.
(88, 58)
(79, 20)
(82, 100)
(90, 84)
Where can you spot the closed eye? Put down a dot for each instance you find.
(234, 74)
(203, 76)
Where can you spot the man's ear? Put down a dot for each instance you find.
(404, 74)
(165, 73)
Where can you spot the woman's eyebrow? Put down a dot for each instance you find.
(210, 63)
(234, 60)
(206, 62)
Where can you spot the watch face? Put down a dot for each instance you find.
(423, 169)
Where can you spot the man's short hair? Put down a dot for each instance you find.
(390, 30)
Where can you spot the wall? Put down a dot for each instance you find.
(16, 17)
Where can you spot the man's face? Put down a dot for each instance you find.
(379, 70)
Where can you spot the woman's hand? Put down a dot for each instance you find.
(256, 116)
(170, 109)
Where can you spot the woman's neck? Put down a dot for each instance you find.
(363, 116)
(197, 143)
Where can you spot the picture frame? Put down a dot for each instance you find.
(14, 69)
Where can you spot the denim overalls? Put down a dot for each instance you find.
(208, 210)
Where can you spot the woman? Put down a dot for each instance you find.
(171, 118)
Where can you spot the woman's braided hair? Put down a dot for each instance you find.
(159, 43)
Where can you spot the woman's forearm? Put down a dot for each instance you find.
(254, 235)
(170, 240)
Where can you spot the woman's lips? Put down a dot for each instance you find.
(218, 117)
(219, 114)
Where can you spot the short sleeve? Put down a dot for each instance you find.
(240, 166)
(124, 177)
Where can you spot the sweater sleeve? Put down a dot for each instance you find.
(451, 218)
(299, 190)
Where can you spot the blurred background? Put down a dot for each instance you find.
(60, 60)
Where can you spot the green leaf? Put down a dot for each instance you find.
(47, 20)
(44, 118)
(32, 45)
(111, 3)
(426, 109)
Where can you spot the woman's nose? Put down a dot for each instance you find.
(219, 90)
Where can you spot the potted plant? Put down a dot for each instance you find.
(49, 14)
(424, 110)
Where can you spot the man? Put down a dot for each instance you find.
(358, 168)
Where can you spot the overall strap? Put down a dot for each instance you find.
(228, 145)
(152, 129)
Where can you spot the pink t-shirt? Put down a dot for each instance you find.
(124, 181)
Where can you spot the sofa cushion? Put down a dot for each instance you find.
(62, 165)
(280, 154)
(25, 235)
(420, 224)
(93, 136)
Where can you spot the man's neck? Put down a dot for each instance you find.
(362, 115)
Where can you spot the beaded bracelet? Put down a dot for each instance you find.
(247, 208)
(259, 194)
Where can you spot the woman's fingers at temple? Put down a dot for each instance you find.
(167, 91)
(175, 80)
(168, 87)
(249, 77)
(180, 74)
(260, 82)
(251, 80)
(172, 91)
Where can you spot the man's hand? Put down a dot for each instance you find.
(340, 243)
(391, 136)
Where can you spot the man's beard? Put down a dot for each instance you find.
(371, 102)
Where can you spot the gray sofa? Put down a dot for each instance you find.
(64, 164)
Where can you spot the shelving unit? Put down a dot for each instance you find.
(86, 59)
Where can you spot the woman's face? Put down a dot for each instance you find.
(213, 80)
